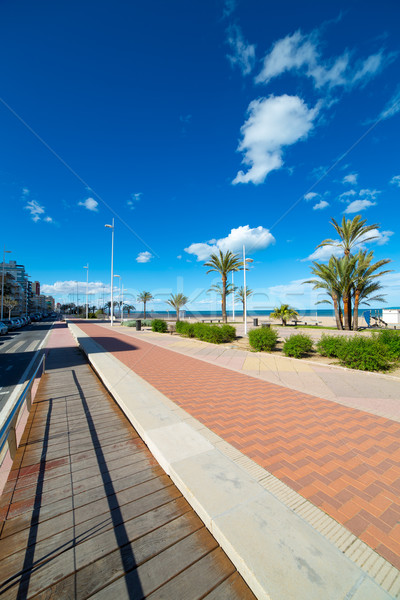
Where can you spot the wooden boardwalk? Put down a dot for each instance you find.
(88, 512)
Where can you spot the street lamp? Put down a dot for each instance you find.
(112, 272)
(119, 295)
(2, 280)
(87, 283)
(245, 261)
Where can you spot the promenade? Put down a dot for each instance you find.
(88, 511)
(335, 440)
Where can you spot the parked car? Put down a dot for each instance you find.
(10, 324)
(3, 328)
(17, 321)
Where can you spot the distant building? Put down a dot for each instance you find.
(26, 293)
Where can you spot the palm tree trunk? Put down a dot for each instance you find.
(355, 314)
(337, 313)
(224, 319)
(177, 313)
(349, 317)
(346, 312)
(144, 310)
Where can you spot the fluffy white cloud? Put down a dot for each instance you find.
(69, 287)
(310, 196)
(358, 205)
(243, 54)
(254, 239)
(374, 236)
(301, 53)
(346, 195)
(370, 194)
(90, 204)
(144, 257)
(35, 210)
(273, 123)
(395, 180)
(320, 205)
(48, 220)
(350, 178)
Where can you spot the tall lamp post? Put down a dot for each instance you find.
(245, 261)
(2, 280)
(233, 300)
(119, 294)
(112, 272)
(87, 284)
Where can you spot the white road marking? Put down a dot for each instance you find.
(14, 348)
(32, 346)
(2, 393)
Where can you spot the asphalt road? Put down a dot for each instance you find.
(17, 349)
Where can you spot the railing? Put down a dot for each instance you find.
(8, 430)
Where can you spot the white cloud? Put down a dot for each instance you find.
(144, 257)
(301, 53)
(48, 220)
(392, 107)
(35, 209)
(351, 178)
(134, 199)
(321, 205)
(324, 253)
(358, 205)
(243, 54)
(70, 287)
(346, 195)
(273, 123)
(310, 196)
(371, 194)
(90, 204)
(25, 192)
(395, 180)
(179, 256)
(254, 239)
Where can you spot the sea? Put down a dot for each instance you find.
(209, 314)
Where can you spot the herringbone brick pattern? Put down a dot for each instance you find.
(345, 461)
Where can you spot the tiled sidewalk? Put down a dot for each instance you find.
(345, 461)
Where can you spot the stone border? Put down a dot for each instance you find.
(283, 546)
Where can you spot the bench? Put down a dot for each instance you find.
(211, 320)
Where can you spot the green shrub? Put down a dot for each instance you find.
(367, 354)
(147, 322)
(200, 330)
(297, 345)
(99, 314)
(228, 333)
(391, 339)
(129, 323)
(159, 325)
(92, 315)
(263, 339)
(185, 328)
(330, 345)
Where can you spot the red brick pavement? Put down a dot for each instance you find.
(345, 461)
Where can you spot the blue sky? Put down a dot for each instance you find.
(196, 125)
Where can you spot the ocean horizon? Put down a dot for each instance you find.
(312, 312)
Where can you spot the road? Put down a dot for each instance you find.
(17, 349)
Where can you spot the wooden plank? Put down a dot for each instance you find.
(141, 582)
(198, 579)
(106, 570)
(233, 588)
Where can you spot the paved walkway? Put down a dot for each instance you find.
(87, 510)
(344, 460)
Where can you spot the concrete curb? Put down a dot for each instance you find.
(278, 553)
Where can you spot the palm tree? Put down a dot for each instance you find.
(329, 281)
(240, 296)
(217, 288)
(129, 307)
(284, 312)
(224, 263)
(364, 283)
(351, 232)
(144, 297)
(177, 301)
